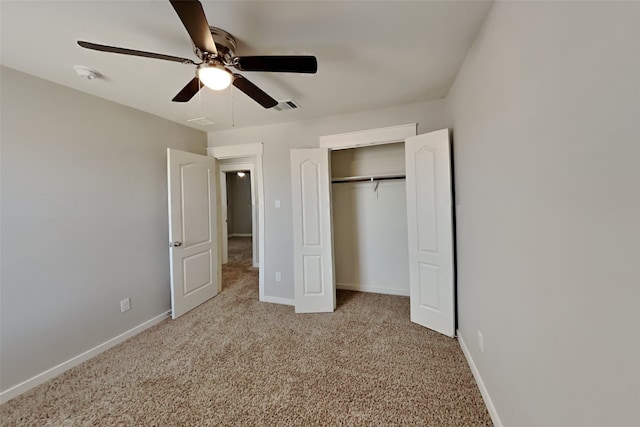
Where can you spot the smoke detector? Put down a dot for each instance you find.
(85, 72)
(287, 104)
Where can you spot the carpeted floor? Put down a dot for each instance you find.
(237, 361)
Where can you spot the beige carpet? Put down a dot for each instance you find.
(236, 361)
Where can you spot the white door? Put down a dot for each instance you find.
(314, 281)
(192, 230)
(429, 215)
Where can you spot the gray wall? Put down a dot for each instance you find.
(239, 210)
(547, 169)
(84, 221)
(279, 139)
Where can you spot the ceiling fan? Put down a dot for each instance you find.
(216, 49)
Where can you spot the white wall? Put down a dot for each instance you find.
(279, 139)
(84, 221)
(371, 248)
(547, 173)
(370, 241)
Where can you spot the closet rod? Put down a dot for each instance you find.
(366, 179)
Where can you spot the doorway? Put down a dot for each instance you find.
(238, 208)
(239, 204)
(245, 158)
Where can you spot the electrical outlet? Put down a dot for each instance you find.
(277, 203)
(481, 342)
(125, 305)
(278, 276)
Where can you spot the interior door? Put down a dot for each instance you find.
(193, 246)
(314, 280)
(429, 215)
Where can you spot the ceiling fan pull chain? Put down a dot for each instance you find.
(233, 109)
(200, 103)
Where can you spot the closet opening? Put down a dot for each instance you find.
(369, 202)
(391, 235)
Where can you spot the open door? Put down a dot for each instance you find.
(430, 227)
(314, 280)
(193, 246)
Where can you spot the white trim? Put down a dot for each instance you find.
(233, 167)
(372, 289)
(247, 150)
(278, 300)
(27, 385)
(378, 136)
(240, 235)
(233, 151)
(493, 413)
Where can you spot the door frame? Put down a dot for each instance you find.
(252, 153)
(369, 137)
(237, 167)
(363, 138)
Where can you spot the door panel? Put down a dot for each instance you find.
(425, 195)
(314, 280)
(312, 274)
(197, 271)
(428, 288)
(430, 226)
(194, 261)
(195, 204)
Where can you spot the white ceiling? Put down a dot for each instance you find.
(371, 54)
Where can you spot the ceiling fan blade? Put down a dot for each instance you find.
(277, 64)
(188, 91)
(111, 49)
(253, 91)
(195, 21)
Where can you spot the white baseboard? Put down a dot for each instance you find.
(493, 413)
(27, 385)
(372, 289)
(277, 300)
(240, 235)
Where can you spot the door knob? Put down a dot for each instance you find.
(175, 244)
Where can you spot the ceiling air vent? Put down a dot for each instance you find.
(287, 104)
(202, 121)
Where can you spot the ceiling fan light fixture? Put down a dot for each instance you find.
(214, 76)
(216, 48)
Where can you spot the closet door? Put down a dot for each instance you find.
(314, 281)
(429, 223)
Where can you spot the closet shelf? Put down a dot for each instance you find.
(363, 178)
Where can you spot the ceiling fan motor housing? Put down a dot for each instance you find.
(225, 43)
